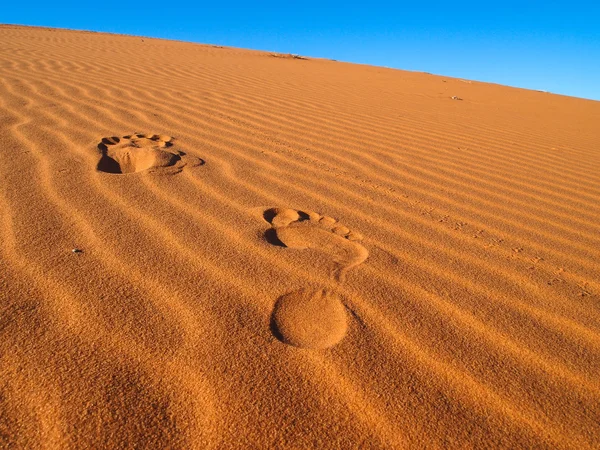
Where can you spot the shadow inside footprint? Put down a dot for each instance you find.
(108, 165)
(271, 238)
(314, 319)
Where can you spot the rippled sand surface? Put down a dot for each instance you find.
(207, 247)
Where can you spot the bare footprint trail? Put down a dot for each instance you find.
(309, 318)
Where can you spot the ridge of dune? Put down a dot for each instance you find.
(209, 247)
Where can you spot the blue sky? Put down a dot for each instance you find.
(536, 45)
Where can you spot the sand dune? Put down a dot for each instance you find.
(289, 253)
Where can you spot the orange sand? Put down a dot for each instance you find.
(289, 253)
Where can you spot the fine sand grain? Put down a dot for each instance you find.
(206, 247)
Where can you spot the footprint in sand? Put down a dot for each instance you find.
(140, 152)
(308, 318)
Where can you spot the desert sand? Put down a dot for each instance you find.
(207, 247)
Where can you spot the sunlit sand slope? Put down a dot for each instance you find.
(206, 247)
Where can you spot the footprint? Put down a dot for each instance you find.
(139, 152)
(300, 230)
(314, 319)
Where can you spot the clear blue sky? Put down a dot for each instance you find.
(536, 45)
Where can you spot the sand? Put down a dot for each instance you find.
(207, 247)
